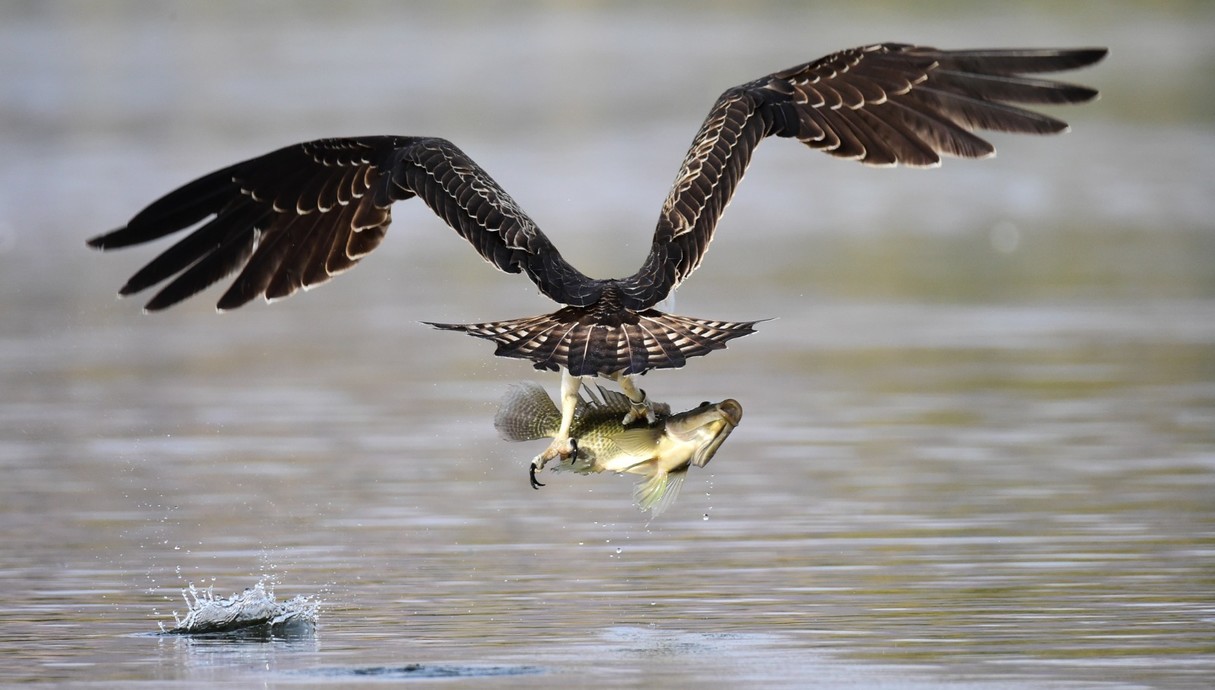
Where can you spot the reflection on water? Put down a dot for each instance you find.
(980, 437)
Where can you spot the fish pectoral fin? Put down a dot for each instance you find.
(658, 492)
(639, 442)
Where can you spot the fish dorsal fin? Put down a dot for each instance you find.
(527, 413)
(612, 400)
(583, 407)
(611, 397)
(640, 442)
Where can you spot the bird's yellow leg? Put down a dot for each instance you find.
(562, 446)
(642, 408)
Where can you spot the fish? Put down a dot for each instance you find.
(661, 451)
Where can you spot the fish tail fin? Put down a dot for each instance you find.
(657, 492)
(527, 413)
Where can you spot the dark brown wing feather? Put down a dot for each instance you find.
(297, 216)
(880, 105)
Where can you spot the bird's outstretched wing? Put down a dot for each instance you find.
(881, 105)
(296, 217)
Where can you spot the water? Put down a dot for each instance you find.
(254, 613)
(979, 448)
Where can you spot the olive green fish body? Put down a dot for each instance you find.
(660, 452)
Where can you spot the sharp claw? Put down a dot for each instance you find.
(554, 452)
(644, 411)
(635, 413)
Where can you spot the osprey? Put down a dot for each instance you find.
(295, 217)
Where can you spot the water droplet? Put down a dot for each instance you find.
(706, 517)
(619, 550)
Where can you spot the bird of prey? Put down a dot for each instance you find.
(295, 217)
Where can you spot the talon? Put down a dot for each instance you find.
(531, 475)
(644, 410)
(556, 451)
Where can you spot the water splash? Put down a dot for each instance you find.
(251, 612)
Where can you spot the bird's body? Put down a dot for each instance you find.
(297, 216)
(660, 452)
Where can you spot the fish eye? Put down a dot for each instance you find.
(705, 404)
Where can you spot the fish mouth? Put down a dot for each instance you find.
(731, 415)
(732, 410)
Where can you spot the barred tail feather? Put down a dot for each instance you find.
(588, 341)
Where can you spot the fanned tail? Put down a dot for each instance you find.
(594, 341)
(527, 413)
